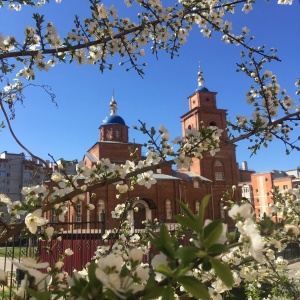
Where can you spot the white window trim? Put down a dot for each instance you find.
(219, 176)
(131, 213)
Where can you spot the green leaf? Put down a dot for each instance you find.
(163, 269)
(206, 265)
(212, 233)
(168, 293)
(194, 287)
(166, 241)
(202, 208)
(223, 271)
(124, 271)
(152, 132)
(182, 269)
(40, 295)
(186, 253)
(188, 222)
(217, 249)
(92, 274)
(153, 293)
(186, 210)
(85, 292)
(152, 289)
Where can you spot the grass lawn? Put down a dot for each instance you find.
(9, 251)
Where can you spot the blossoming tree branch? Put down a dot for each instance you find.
(215, 261)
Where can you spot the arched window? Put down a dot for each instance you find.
(196, 183)
(117, 133)
(212, 123)
(100, 209)
(78, 212)
(218, 164)
(222, 210)
(139, 215)
(219, 170)
(197, 206)
(168, 209)
(100, 206)
(53, 216)
(219, 176)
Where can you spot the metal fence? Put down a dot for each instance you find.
(14, 249)
(83, 238)
(292, 251)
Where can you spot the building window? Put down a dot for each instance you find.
(266, 179)
(219, 176)
(218, 164)
(100, 208)
(139, 216)
(256, 190)
(117, 133)
(222, 210)
(285, 187)
(197, 206)
(168, 210)
(78, 212)
(53, 216)
(245, 189)
(196, 183)
(2, 173)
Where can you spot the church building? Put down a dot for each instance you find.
(211, 175)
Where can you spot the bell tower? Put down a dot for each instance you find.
(222, 168)
(114, 140)
(114, 128)
(203, 108)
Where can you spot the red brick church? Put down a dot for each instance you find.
(210, 175)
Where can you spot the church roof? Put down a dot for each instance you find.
(160, 176)
(91, 157)
(189, 176)
(202, 89)
(201, 82)
(114, 119)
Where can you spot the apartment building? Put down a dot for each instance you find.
(17, 171)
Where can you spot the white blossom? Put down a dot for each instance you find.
(244, 211)
(35, 219)
(146, 179)
(69, 252)
(122, 188)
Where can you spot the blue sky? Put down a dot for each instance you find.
(83, 93)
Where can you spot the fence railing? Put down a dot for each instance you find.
(292, 251)
(83, 238)
(14, 249)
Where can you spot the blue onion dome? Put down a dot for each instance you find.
(113, 118)
(201, 83)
